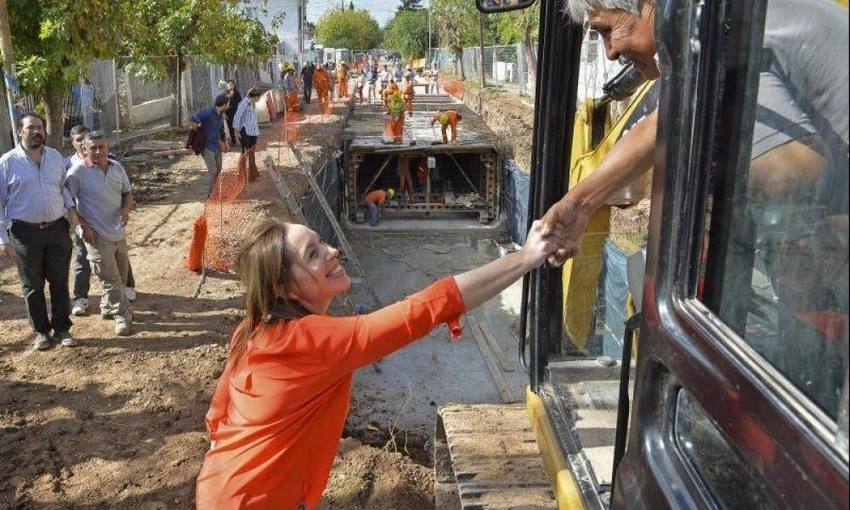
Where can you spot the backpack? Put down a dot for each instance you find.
(197, 140)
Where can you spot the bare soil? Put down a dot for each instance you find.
(508, 115)
(119, 422)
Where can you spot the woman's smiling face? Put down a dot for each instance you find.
(317, 276)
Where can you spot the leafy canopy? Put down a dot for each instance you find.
(214, 30)
(457, 23)
(516, 26)
(55, 40)
(407, 33)
(346, 28)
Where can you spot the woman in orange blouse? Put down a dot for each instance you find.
(278, 411)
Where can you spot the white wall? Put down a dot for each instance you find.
(288, 31)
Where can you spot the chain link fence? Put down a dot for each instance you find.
(117, 98)
(503, 65)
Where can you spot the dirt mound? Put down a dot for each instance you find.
(364, 477)
(510, 117)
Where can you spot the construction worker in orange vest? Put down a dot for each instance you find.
(447, 118)
(322, 82)
(375, 201)
(342, 79)
(408, 93)
(390, 90)
(290, 89)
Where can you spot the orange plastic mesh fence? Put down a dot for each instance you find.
(230, 209)
(453, 88)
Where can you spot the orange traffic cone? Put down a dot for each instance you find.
(195, 260)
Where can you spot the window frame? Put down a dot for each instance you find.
(692, 312)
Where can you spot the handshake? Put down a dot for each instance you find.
(554, 237)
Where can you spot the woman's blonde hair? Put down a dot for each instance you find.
(264, 266)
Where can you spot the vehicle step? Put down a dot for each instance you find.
(486, 457)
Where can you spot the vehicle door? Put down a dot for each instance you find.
(741, 391)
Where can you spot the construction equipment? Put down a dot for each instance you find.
(737, 396)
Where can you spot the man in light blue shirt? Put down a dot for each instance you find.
(213, 122)
(100, 189)
(34, 231)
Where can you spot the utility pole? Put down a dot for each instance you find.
(7, 118)
(481, 46)
(428, 60)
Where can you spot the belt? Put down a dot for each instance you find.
(43, 225)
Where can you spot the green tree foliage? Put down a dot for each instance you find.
(353, 29)
(214, 30)
(521, 26)
(457, 25)
(407, 33)
(54, 41)
(409, 5)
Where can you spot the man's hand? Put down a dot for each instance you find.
(89, 234)
(571, 219)
(125, 217)
(223, 146)
(541, 242)
(6, 251)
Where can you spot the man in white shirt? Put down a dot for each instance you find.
(246, 124)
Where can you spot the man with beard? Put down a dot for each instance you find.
(34, 232)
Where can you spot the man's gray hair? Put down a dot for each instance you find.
(577, 9)
(94, 135)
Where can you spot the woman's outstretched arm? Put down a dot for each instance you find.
(482, 283)
(345, 343)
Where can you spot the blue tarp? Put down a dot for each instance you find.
(515, 200)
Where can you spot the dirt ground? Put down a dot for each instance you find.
(509, 116)
(118, 422)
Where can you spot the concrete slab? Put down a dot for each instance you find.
(440, 221)
(434, 370)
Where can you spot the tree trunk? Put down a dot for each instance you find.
(459, 65)
(54, 98)
(530, 51)
(179, 116)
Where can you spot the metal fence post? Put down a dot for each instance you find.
(115, 92)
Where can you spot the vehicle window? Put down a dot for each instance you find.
(776, 267)
(731, 483)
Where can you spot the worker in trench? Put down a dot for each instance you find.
(390, 90)
(374, 202)
(408, 93)
(290, 89)
(322, 81)
(405, 179)
(448, 119)
(342, 79)
(279, 407)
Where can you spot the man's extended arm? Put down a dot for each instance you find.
(628, 159)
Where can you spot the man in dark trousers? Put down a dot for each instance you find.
(233, 103)
(34, 232)
(211, 119)
(307, 78)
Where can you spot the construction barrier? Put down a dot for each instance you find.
(229, 210)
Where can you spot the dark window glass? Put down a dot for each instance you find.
(776, 270)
